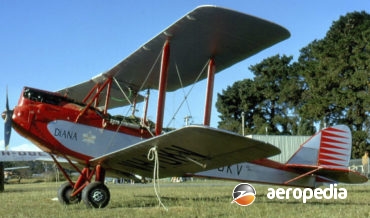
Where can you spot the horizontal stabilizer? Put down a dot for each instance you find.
(342, 175)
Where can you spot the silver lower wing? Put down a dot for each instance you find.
(187, 150)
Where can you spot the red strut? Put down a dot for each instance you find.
(162, 87)
(209, 93)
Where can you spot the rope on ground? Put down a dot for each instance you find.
(153, 156)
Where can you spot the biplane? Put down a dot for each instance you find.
(75, 123)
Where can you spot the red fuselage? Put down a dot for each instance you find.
(53, 122)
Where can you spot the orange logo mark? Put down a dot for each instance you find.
(244, 194)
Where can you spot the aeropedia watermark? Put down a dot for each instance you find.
(244, 194)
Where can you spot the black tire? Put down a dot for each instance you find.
(96, 195)
(64, 194)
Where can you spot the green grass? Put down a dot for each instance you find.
(188, 199)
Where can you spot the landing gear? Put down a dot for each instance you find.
(65, 194)
(93, 193)
(96, 194)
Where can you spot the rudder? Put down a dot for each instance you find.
(329, 148)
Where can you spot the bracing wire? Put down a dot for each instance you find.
(183, 90)
(120, 88)
(150, 71)
(143, 83)
(188, 93)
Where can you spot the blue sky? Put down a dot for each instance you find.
(55, 44)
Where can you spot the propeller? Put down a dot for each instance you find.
(7, 116)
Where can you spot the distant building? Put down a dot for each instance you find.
(287, 144)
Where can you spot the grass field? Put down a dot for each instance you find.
(188, 199)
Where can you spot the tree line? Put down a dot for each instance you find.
(327, 85)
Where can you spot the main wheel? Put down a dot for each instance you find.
(96, 194)
(64, 194)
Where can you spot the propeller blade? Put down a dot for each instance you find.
(7, 115)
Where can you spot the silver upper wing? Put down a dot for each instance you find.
(207, 31)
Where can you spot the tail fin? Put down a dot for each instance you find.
(331, 147)
(326, 154)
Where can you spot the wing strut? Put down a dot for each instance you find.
(107, 83)
(163, 74)
(303, 175)
(209, 91)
